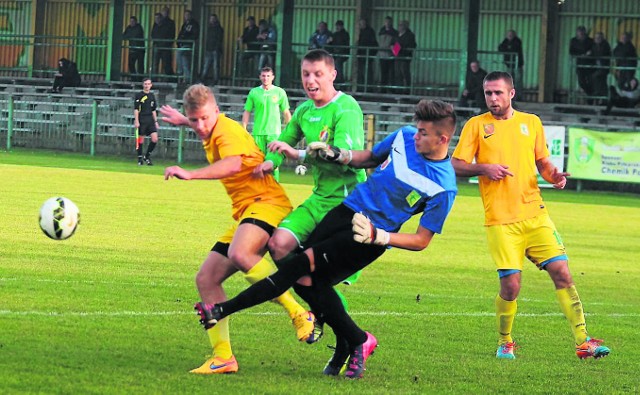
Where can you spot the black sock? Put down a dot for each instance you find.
(330, 307)
(270, 287)
(139, 150)
(152, 145)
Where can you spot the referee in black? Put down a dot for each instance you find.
(145, 121)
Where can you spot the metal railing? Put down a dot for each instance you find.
(590, 82)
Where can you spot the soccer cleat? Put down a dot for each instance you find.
(147, 160)
(592, 348)
(216, 365)
(304, 324)
(318, 331)
(209, 314)
(359, 355)
(338, 360)
(140, 162)
(505, 351)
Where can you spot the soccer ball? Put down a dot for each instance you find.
(301, 170)
(59, 218)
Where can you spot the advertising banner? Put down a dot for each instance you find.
(604, 156)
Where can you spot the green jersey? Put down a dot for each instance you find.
(338, 123)
(266, 106)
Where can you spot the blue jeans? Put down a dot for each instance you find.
(184, 64)
(211, 60)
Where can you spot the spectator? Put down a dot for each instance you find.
(267, 44)
(387, 37)
(320, 37)
(512, 47)
(627, 96)
(67, 75)
(473, 86)
(367, 45)
(601, 53)
(580, 47)
(407, 43)
(189, 33)
(213, 49)
(248, 38)
(339, 42)
(626, 58)
(162, 37)
(135, 35)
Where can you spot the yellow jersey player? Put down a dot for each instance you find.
(507, 146)
(258, 205)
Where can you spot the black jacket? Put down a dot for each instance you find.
(514, 45)
(215, 36)
(135, 35)
(189, 32)
(69, 71)
(407, 43)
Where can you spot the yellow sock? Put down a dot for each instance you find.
(505, 314)
(263, 269)
(219, 338)
(571, 306)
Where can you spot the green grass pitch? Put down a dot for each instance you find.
(110, 309)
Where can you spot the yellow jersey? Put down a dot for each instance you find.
(229, 138)
(517, 142)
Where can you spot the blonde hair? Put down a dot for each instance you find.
(196, 96)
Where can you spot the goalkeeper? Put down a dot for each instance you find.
(329, 116)
(414, 176)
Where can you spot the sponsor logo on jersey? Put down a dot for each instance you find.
(315, 119)
(413, 198)
(524, 129)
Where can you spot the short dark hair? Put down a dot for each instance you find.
(146, 79)
(316, 55)
(499, 75)
(340, 22)
(266, 70)
(581, 29)
(436, 111)
(251, 18)
(134, 18)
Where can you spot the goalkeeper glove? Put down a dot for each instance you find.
(329, 153)
(364, 232)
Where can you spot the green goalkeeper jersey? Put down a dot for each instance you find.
(266, 106)
(338, 123)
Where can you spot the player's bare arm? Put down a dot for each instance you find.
(493, 171)
(245, 119)
(551, 174)
(223, 168)
(173, 116)
(283, 148)
(365, 232)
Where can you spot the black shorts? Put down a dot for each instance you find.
(147, 126)
(336, 254)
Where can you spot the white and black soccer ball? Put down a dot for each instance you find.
(301, 170)
(59, 218)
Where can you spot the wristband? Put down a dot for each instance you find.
(302, 154)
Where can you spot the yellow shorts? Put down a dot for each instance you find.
(536, 238)
(267, 215)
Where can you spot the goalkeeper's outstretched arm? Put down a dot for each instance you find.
(359, 159)
(365, 232)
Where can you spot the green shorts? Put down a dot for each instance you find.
(304, 218)
(262, 140)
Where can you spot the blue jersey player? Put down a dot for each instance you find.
(414, 176)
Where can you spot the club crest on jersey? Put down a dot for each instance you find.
(489, 129)
(274, 98)
(524, 129)
(324, 134)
